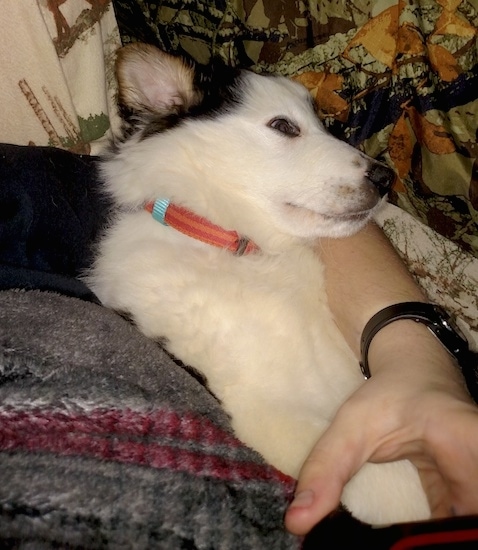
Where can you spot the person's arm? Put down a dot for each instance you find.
(364, 274)
(430, 417)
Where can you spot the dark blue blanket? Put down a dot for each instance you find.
(50, 214)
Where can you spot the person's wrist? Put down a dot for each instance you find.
(408, 349)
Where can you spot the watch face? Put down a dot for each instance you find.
(450, 323)
(450, 334)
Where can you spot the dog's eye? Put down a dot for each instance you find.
(285, 126)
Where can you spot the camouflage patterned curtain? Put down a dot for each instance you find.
(399, 80)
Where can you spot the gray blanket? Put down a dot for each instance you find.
(106, 443)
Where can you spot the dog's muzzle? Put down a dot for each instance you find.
(382, 177)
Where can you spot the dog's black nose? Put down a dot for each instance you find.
(382, 177)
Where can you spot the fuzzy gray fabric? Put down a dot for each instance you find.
(106, 443)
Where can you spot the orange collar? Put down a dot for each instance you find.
(199, 228)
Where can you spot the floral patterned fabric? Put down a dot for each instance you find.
(447, 273)
(54, 58)
(397, 79)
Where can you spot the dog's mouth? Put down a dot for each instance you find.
(309, 215)
(302, 221)
(352, 217)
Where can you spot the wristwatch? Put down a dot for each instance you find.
(439, 322)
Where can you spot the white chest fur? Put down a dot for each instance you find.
(260, 330)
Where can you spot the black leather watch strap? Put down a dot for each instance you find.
(439, 322)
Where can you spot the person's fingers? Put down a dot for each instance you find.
(336, 457)
(437, 433)
(452, 485)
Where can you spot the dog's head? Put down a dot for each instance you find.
(245, 150)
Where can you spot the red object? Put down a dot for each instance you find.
(188, 223)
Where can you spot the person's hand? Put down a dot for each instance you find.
(414, 407)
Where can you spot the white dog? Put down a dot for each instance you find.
(222, 185)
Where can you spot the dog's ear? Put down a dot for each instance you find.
(153, 81)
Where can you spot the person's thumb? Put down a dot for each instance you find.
(330, 465)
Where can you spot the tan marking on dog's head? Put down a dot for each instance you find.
(152, 80)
